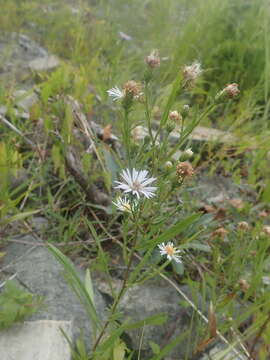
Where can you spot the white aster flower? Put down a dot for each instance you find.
(115, 93)
(136, 182)
(170, 251)
(123, 204)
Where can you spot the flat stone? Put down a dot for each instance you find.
(39, 271)
(25, 99)
(17, 51)
(206, 134)
(36, 340)
(221, 352)
(148, 299)
(44, 63)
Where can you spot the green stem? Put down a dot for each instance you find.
(148, 114)
(184, 134)
(121, 292)
(126, 135)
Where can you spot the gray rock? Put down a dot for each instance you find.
(40, 273)
(204, 134)
(18, 113)
(44, 63)
(221, 352)
(36, 340)
(17, 51)
(153, 297)
(39, 223)
(217, 189)
(25, 99)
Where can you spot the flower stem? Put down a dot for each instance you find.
(120, 294)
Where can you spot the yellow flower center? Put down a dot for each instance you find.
(169, 250)
(136, 186)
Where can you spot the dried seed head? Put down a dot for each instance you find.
(263, 213)
(184, 169)
(220, 232)
(244, 285)
(175, 116)
(231, 90)
(132, 88)
(153, 60)
(243, 225)
(266, 229)
(191, 73)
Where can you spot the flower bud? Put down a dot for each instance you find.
(168, 165)
(175, 116)
(188, 153)
(244, 285)
(186, 109)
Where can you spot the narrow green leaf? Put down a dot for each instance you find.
(157, 319)
(176, 229)
(18, 217)
(89, 286)
(77, 286)
(170, 346)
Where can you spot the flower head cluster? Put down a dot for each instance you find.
(221, 232)
(153, 60)
(136, 183)
(170, 251)
(191, 73)
(131, 90)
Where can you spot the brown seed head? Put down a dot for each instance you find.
(231, 90)
(153, 60)
(263, 213)
(220, 232)
(266, 229)
(244, 285)
(132, 88)
(243, 225)
(184, 169)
